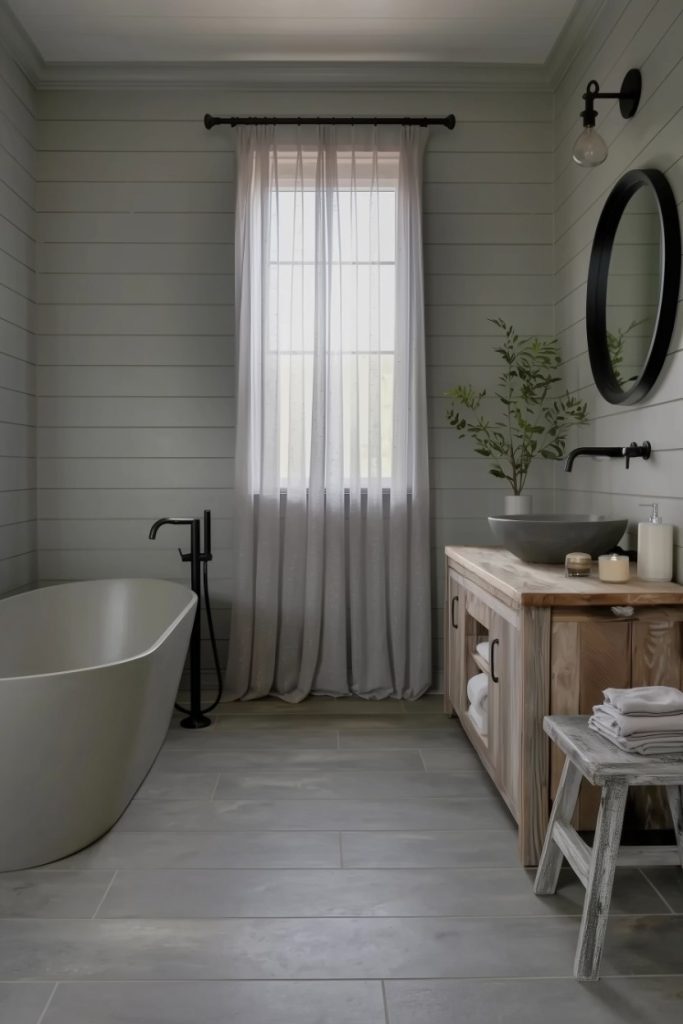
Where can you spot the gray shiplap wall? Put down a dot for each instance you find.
(136, 405)
(647, 34)
(17, 370)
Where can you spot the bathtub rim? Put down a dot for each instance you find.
(192, 603)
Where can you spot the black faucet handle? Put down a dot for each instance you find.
(185, 557)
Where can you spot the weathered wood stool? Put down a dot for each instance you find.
(591, 757)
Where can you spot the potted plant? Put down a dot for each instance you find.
(534, 419)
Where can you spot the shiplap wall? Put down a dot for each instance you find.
(136, 393)
(17, 371)
(647, 34)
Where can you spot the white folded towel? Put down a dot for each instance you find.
(646, 700)
(478, 690)
(651, 744)
(637, 725)
(479, 719)
(483, 650)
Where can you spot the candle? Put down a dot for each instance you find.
(577, 563)
(614, 568)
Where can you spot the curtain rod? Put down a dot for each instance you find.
(421, 122)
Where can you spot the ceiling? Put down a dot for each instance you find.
(472, 31)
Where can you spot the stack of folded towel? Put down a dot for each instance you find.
(644, 720)
(478, 696)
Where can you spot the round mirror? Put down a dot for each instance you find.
(633, 283)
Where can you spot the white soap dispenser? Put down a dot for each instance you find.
(655, 548)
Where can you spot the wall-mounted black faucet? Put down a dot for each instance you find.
(196, 718)
(628, 452)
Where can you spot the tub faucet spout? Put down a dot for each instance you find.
(196, 719)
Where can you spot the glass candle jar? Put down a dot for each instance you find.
(577, 563)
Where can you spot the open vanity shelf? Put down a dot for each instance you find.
(554, 645)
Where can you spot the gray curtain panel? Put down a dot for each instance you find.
(331, 587)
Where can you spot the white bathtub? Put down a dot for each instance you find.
(88, 676)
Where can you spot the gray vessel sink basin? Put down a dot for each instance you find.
(548, 538)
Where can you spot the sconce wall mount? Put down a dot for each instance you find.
(590, 148)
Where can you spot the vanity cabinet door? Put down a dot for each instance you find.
(505, 708)
(455, 683)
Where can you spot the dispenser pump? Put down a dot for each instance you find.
(654, 514)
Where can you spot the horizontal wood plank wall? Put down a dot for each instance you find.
(647, 34)
(136, 377)
(17, 369)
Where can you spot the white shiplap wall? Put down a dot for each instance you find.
(647, 34)
(17, 371)
(136, 405)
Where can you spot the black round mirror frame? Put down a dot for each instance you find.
(598, 272)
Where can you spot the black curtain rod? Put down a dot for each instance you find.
(421, 122)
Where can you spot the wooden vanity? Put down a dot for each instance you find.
(553, 646)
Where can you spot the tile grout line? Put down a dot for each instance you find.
(654, 887)
(106, 893)
(47, 1004)
(385, 1004)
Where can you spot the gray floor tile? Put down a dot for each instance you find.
(351, 785)
(466, 892)
(50, 893)
(223, 815)
(457, 757)
(229, 760)
(486, 848)
(611, 1001)
(220, 737)
(412, 738)
(304, 948)
(430, 704)
(216, 1002)
(669, 882)
(23, 1002)
(161, 785)
(210, 850)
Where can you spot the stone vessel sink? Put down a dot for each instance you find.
(548, 538)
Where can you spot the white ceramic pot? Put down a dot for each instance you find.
(517, 504)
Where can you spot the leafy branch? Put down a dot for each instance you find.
(534, 421)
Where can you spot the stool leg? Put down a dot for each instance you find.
(600, 880)
(548, 873)
(675, 797)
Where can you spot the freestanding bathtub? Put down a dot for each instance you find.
(88, 677)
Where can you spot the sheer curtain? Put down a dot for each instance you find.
(331, 592)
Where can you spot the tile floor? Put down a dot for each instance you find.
(333, 863)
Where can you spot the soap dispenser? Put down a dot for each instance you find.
(655, 547)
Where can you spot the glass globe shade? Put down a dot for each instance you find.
(590, 149)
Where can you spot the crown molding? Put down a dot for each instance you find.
(17, 43)
(579, 27)
(262, 76)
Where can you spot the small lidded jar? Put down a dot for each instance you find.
(577, 563)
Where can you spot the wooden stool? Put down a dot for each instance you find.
(603, 764)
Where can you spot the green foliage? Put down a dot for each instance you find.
(534, 420)
(615, 348)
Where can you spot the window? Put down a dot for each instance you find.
(331, 311)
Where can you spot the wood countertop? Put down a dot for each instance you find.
(518, 583)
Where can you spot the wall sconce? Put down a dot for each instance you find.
(590, 149)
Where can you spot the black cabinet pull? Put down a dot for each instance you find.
(454, 623)
(492, 658)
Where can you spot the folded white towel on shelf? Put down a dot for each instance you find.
(478, 690)
(479, 718)
(483, 650)
(652, 744)
(646, 700)
(637, 725)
